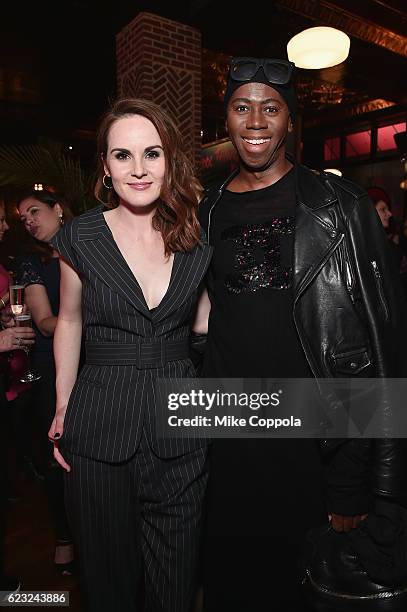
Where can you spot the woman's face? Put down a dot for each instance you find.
(3, 223)
(135, 161)
(40, 220)
(384, 213)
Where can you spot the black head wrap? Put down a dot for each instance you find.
(286, 91)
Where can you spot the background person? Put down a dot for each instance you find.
(382, 204)
(11, 339)
(43, 213)
(17, 393)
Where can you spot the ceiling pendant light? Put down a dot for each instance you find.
(319, 47)
(333, 171)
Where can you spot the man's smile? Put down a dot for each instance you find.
(256, 141)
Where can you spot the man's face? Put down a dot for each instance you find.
(384, 213)
(258, 122)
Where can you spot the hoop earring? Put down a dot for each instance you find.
(103, 181)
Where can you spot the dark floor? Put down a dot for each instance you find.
(30, 545)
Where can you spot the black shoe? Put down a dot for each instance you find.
(67, 568)
(335, 579)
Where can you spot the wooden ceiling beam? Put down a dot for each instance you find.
(342, 113)
(326, 13)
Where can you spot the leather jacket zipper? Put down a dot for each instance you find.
(379, 284)
(349, 280)
(348, 271)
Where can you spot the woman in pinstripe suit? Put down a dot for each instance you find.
(130, 277)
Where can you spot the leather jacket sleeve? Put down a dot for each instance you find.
(347, 467)
(378, 290)
(359, 471)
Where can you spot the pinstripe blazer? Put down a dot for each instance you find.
(113, 399)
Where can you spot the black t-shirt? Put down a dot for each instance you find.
(252, 335)
(251, 327)
(33, 271)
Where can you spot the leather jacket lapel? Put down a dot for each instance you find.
(315, 239)
(311, 190)
(316, 233)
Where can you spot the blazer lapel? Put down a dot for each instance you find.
(188, 270)
(103, 257)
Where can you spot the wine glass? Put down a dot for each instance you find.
(24, 320)
(17, 299)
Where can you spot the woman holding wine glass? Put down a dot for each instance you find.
(12, 338)
(15, 362)
(22, 318)
(4, 275)
(43, 213)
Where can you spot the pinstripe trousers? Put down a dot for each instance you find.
(134, 520)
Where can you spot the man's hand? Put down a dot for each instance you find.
(15, 338)
(343, 524)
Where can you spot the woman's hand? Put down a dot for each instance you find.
(346, 523)
(15, 338)
(55, 434)
(6, 317)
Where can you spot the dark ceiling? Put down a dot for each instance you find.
(58, 72)
(373, 77)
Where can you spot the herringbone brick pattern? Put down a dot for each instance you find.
(160, 59)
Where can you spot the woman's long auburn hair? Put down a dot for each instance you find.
(176, 213)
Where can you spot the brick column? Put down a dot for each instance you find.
(160, 59)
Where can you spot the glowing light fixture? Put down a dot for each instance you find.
(333, 171)
(38, 187)
(319, 47)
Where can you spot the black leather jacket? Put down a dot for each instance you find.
(348, 311)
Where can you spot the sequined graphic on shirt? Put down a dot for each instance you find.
(257, 260)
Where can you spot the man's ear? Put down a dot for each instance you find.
(290, 124)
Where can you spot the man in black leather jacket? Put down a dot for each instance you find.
(309, 244)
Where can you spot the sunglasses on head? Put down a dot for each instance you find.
(276, 71)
